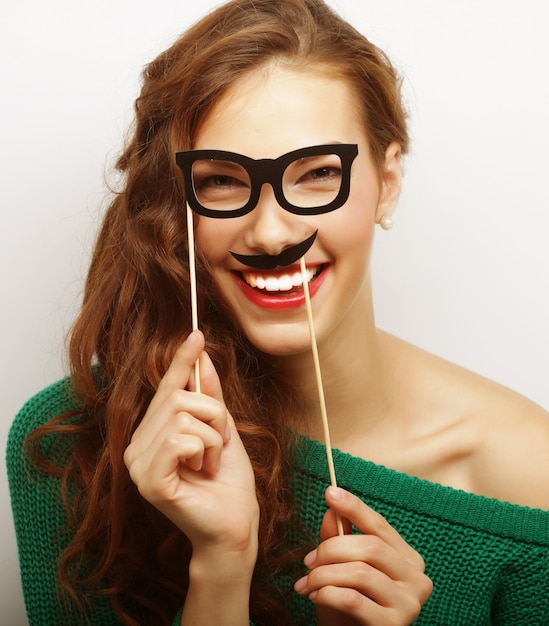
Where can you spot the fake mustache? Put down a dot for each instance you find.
(269, 262)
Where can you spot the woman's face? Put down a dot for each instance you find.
(265, 115)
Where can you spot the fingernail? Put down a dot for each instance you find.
(335, 493)
(310, 559)
(300, 584)
(313, 595)
(192, 337)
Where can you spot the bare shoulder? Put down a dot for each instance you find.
(509, 458)
(494, 441)
(512, 462)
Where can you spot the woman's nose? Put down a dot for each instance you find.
(272, 229)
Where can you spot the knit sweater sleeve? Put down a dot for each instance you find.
(41, 524)
(40, 519)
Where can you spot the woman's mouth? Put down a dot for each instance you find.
(285, 283)
(280, 289)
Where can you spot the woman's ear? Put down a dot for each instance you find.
(391, 182)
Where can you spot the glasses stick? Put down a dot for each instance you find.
(320, 387)
(192, 276)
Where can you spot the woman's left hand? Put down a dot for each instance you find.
(374, 578)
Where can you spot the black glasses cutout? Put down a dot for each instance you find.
(238, 179)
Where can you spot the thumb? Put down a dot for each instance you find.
(329, 527)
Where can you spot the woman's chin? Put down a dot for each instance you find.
(280, 340)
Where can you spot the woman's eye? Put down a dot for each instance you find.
(220, 181)
(325, 172)
(321, 174)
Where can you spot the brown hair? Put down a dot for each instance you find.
(136, 308)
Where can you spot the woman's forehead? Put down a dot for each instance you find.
(269, 112)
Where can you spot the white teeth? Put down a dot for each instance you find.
(297, 278)
(284, 282)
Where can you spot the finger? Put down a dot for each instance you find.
(349, 606)
(209, 379)
(156, 473)
(363, 577)
(402, 605)
(367, 549)
(365, 593)
(329, 527)
(181, 413)
(209, 455)
(211, 386)
(167, 444)
(184, 406)
(369, 522)
(179, 372)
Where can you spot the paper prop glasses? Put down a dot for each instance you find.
(307, 181)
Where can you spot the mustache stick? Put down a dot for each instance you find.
(194, 300)
(194, 319)
(320, 387)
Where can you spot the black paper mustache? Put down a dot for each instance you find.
(269, 262)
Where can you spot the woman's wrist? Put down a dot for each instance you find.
(219, 587)
(222, 564)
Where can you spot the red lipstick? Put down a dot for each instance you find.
(278, 301)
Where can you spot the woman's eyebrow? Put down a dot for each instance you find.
(230, 165)
(314, 157)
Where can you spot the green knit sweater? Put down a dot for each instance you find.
(489, 560)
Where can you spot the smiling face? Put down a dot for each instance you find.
(265, 115)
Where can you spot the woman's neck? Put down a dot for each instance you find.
(353, 375)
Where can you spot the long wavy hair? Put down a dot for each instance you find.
(136, 311)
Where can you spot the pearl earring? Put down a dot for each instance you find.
(386, 222)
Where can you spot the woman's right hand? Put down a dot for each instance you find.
(187, 459)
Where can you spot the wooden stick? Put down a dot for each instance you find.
(194, 300)
(320, 387)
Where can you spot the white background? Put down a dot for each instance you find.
(464, 272)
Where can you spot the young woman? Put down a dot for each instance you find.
(139, 499)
